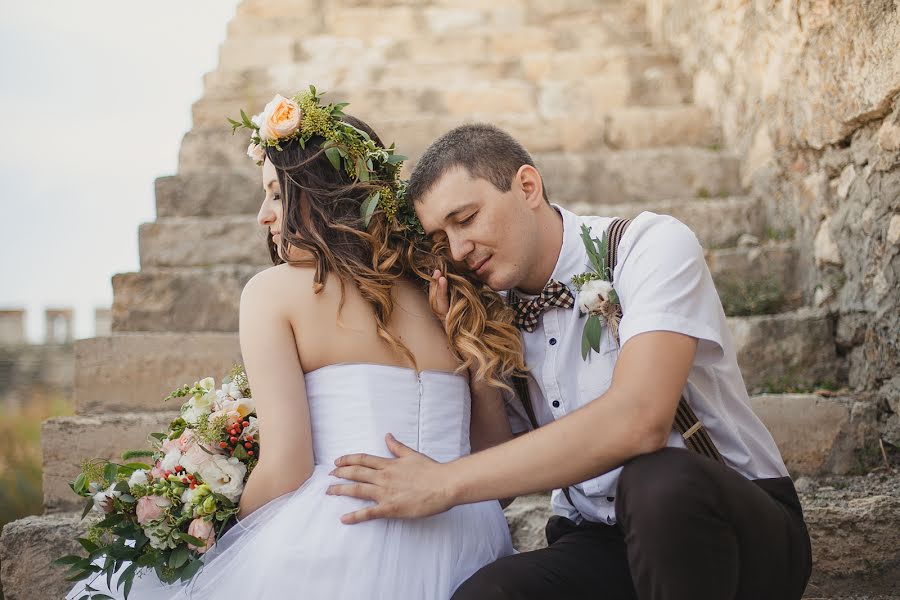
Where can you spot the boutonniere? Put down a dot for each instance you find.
(596, 296)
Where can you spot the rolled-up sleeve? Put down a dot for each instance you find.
(664, 284)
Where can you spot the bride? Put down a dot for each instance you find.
(341, 346)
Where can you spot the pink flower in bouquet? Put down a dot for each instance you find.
(204, 530)
(157, 471)
(151, 508)
(182, 442)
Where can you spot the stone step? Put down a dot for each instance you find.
(853, 524)
(717, 222)
(188, 299)
(152, 364)
(791, 350)
(613, 177)
(237, 240)
(460, 95)
(816, 435)
(605, 30)
(67, 441)
(211, 147)
(202, 241)
(213, 192)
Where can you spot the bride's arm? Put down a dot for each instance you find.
(489, 424)
(276, 382)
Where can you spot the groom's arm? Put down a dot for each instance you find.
(633, 417)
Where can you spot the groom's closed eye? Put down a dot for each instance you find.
(468, 220)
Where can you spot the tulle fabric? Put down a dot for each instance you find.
(296, 547)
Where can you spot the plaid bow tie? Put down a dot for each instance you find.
(554, 294)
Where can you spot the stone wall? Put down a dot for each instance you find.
(808, 93)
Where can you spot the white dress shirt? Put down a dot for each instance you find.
(663, 284)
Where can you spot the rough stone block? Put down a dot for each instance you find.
(202, 241)
(854, 526)
(788, 349)
(657, 127)
(527, 517)
(26, 548)
(206, 149)
(773, 264)
(67, 441)
(129, 372)
(717, 222)
(242, 53)
(186, 299)
(815, 434)
(611, 62)
(638, 175)
(210, 193)
(371, 22)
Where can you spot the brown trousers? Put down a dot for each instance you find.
(688, 528)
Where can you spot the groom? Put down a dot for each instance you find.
(637, 515)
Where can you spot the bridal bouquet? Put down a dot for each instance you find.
(163, 514)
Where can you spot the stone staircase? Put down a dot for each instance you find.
(610, 122)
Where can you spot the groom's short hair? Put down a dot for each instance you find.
(485, 151)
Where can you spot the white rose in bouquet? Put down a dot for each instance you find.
(224, 475)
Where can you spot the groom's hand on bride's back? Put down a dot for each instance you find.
(438, 295)
(407, 487)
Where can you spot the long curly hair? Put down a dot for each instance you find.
(321, 216)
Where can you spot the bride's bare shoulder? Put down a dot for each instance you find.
(279, 283)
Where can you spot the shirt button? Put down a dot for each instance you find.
(552, 341)
(556, 404)
(610, 498)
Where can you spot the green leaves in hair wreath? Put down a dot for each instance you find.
(596, 296)
(305, 118)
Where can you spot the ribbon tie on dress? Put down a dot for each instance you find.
(554, 295)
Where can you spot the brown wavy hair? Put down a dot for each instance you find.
(321, 217)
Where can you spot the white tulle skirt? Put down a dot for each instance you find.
(296, 547)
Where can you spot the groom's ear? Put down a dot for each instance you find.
(529, 181)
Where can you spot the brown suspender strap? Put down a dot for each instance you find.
(686, 422)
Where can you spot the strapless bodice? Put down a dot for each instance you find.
(353, 405)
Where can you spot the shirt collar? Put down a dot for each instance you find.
(571, 256)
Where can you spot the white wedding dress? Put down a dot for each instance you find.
(296, 547)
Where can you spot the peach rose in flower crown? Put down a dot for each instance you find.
(279, 119)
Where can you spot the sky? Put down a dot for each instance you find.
(95, 96)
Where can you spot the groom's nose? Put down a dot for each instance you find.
(460, 248)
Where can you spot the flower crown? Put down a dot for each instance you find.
(304, 117)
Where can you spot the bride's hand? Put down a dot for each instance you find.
(438, 295)
(407, 487)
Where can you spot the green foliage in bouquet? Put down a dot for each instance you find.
(164, 513)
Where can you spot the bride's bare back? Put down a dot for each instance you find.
(324, 336)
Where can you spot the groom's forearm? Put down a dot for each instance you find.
(633, 417)
(590, 441)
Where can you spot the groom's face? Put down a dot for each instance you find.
(490, 232)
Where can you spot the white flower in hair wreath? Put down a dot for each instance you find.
(596, 296)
